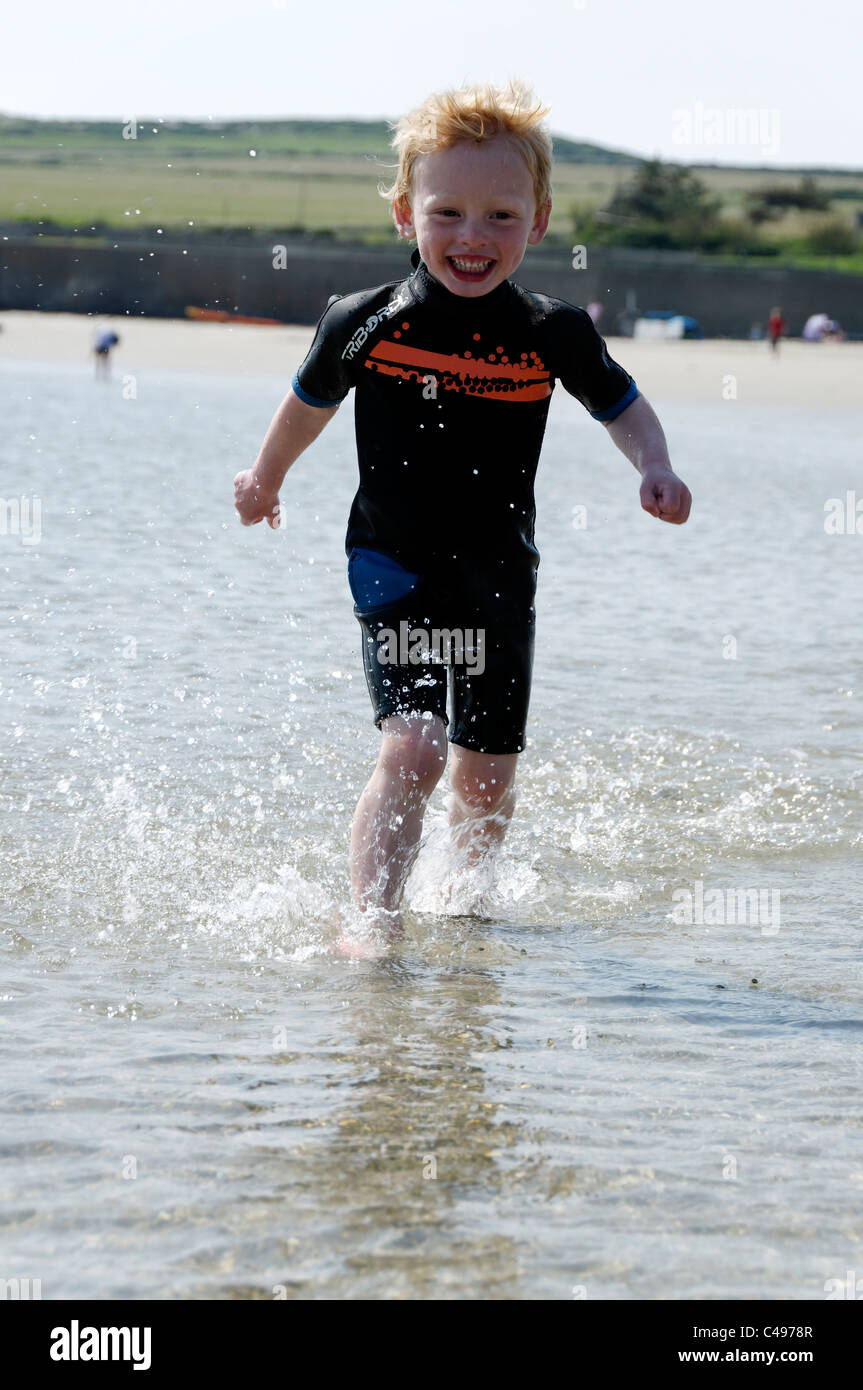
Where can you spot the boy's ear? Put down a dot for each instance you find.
(403, 218)
(540, 225)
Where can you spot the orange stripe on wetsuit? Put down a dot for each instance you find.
(474, 376)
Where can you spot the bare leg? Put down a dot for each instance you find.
(483, 800)
(385, 835)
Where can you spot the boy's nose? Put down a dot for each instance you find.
(473, 239)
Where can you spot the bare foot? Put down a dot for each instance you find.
(368, 935)
(468, 891)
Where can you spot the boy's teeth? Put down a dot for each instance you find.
(474, 266)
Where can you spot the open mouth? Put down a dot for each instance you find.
(471, 268)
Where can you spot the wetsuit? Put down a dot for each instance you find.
(452, 395)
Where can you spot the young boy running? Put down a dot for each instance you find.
(453, 369)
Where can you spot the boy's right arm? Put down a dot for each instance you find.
(294, 427)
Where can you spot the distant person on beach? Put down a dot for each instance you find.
(594, 308)
(104, 339)
(453, 368)
(776, 326)
(820, 328)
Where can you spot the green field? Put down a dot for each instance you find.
(319, 176)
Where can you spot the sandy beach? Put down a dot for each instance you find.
(827, 375)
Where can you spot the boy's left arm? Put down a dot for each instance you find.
(638, 434)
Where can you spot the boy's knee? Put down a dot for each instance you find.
(414, 747)
(483, 793)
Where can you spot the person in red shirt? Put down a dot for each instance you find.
(776, 326)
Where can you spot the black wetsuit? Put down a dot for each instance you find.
(452, 395)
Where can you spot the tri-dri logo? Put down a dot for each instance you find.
(399, 301)
(77, 1343)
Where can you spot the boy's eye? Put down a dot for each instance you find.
(453, 212)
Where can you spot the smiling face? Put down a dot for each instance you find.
(473, 212)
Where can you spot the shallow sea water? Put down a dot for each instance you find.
(578, 1095)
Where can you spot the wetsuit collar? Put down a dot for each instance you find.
(427, 287)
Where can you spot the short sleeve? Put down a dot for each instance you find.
(324, 378)
(581, 362)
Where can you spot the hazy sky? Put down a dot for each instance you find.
(656, 78)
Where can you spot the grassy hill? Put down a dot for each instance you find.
(214, 139)
(286, 175)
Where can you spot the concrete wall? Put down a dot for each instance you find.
(153, 278)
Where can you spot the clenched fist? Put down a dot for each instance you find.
(253, 503)
(665, 495)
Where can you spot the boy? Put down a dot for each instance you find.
(453, 368)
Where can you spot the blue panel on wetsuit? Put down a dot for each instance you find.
(375, 578)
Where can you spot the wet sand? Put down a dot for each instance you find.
(824, 374)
